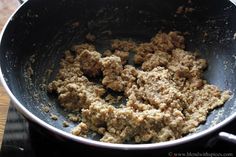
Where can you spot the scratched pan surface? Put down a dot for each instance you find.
(42, 30)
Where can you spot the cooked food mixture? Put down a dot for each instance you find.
(162, 97)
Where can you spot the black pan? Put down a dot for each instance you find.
(41, 30)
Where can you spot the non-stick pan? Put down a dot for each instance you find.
(38, 33)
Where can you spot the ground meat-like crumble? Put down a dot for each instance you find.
(112, 69)
(89, 62)
(123, 45)
(166, 96)
(161, 42)
(123, 55)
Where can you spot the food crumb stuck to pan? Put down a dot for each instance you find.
(46, 109)
(53, 116)
(73, 117)
(65, 124)
(166, 96)
(184, 10)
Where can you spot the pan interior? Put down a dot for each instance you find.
(42, 30)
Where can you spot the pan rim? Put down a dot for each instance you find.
(20, 107)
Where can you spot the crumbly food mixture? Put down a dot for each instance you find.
(166, 95)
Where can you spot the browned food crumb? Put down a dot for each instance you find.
(168, 42)
(107, 53)
(123, 56)
(110, 99)
(65, 124)
(186, 65)
(143, 52)
(46, 109)
(80, 129)
(74, 90)
(89, 63)
(161, 42)
(82, 47)
(166, 99)
(129, 77)
(73, 117)
(112, 68)
(159, 58)
(90, 37)
(53, 116)
(123, 45)
(184, 10)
